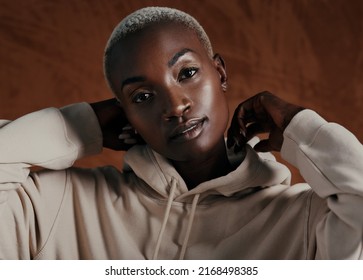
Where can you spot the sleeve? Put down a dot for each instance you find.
(330, 159)
(30, 201)
(51, 138)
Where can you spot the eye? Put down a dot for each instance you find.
(187, 73)
(141, 97)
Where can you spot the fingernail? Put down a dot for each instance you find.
(123, 136)
(242, 132)
(127, 127)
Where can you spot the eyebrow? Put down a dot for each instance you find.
(131, 80)
(171, 62)
(176, 56)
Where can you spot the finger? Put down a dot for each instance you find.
(235, 136)
(237, 129)
(127, 127)
(131, 141)
(263, 146)
(249, 111)
(238, 147)
(124, 136)
(252, 109)
(230, 136)
(254, 129)
(129, 138)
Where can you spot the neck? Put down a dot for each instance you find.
(197, 171)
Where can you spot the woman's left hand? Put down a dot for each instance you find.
(262, 113)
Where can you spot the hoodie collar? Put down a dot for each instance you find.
(252, 170)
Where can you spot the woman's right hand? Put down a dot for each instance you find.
(118, 134)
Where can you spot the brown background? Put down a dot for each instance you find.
(308, 52)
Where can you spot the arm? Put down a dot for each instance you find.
(328, 156)
(330, 159)
(30, 203)
(54, 139)
(51, 138)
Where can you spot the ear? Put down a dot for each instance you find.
(221, 68)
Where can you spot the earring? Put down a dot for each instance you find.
(224, 86)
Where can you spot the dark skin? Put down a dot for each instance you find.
(173, 93)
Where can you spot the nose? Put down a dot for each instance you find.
(176, 106)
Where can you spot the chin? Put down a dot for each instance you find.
(196, 151)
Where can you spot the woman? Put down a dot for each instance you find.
(182, 193)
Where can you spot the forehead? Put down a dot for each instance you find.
(154, 44)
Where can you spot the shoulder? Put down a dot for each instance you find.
(102, 179)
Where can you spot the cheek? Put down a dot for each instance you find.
(145, 124)
(139, 122)
(215, 102)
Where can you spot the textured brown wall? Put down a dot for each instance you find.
(308, 52)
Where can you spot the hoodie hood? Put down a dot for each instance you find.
(252, 170)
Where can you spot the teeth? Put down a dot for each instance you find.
(189, 129)
(183, 133)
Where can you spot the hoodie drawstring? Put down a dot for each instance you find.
(189, 227)
(166, 217)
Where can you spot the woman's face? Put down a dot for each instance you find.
(171, 91)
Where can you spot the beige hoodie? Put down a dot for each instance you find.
(146, 211)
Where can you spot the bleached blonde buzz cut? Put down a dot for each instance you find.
(143, 18)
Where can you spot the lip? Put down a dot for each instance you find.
(187, 130)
